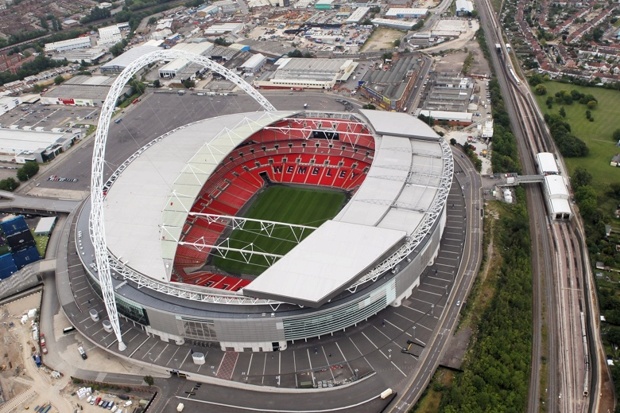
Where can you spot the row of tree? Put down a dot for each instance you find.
(505, 155)
(27, 171)
(38, 65)
(568, 144)
(495, 376)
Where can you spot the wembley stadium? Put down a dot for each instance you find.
(178, 211)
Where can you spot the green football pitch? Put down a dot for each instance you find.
(310, 207)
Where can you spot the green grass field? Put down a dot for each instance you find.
(597, 134)
(292, 205)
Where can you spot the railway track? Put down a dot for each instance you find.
(560, 284)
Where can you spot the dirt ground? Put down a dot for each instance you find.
(382, 38)
(24, 385)
(449, 56)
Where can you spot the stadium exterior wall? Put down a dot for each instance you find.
(264, 329)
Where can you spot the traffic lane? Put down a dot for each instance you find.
(258, 400)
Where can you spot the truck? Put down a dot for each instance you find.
(498, 48)
(386, 393)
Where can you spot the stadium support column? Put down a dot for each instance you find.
(97, 188)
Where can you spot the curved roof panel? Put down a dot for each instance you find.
(146, 207)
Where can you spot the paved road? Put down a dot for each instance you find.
(470, 183)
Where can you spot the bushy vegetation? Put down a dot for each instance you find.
(96, 13)
(505, 155)
(38, 65)
(9, 184)
(496, 374)
(27, 171)
(568, 144)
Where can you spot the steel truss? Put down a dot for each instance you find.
(249, 251)
(324, 125)
(96, 222)
(265, 226)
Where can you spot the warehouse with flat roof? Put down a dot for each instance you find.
(81, 91)
(119, 63)
(390, 89)
(293, 73)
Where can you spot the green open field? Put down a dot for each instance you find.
(597, 134)
(279, 203)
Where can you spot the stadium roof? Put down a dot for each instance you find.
(148, 204)
(146, 207)
(325, 263)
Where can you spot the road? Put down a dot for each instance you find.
(471, 184)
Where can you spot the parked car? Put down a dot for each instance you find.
(42, 341)
(82, 352)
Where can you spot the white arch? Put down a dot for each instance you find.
(96, 225)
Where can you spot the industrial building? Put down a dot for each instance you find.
(406, 13)
(109, 36)
(21, 146)
(448, 93)
(254, 63)
(69, 44)
(80, 91)
(464, 7)
(293, 73)
(487, 129)
(227, 6)
(119, 63)
(182, 67)
(323, 4)
(358, 15)
(223, 28)
(446, 117)
(394, 24)
(390, 89)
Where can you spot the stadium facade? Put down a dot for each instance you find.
(173, 204)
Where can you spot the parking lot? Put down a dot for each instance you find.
(49, 117)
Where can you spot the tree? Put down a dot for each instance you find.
(188, 83)
(616, 135)
(9, 184)
(222, 42)
(452, 141)
(59, 79)
(581, 177)
(396, 42)
(387, 56)
(156, 83)
(369, 106)
(27, 171)
(540, 90)
(152, 21)
(149, 380)
(295, 53)
(592, 104)
(562, 112)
